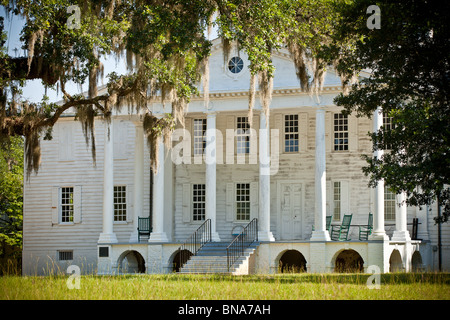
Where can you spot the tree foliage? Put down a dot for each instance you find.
(409, 60)
(166, 47)
(11, 198)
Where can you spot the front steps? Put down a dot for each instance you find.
(212, 259)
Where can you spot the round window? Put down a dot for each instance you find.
(235, 65)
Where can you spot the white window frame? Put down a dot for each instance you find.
(66, 205)
(242, 135)
(291, 133)
(388, 126)
(340, 132)
(199, 140)
(120, 203)
(243, 202)
(198, 202)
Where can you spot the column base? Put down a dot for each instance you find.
(265, 236)
(401, 236)
(318, 235)
(107, 238)
(379, 236)
(215, 237)
(158, 237)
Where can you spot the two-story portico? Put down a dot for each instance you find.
(289, 170)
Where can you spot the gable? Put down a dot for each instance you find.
(222, 79)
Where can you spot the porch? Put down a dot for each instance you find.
(247, 255)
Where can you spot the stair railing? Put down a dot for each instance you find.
(242, 241)
(193, 244)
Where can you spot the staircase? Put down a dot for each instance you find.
(212, 258)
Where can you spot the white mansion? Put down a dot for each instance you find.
(278, 192)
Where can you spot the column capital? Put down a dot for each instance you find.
(320, 107)
(210, 114)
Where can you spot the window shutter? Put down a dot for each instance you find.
(188, 148)
(329, 140)
(55, 205)
(303, 131)
(65, 141)
(230, 199)
(345, 205)
(229, 147)
(279, 125)
(77, 204)
(352, 133)
(186, 202)
(254, 200)
(130, 202)
(254, 130)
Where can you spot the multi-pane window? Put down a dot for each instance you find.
(387, 122)
(120, 203)
(243, 201)
(242, 135)
(388, 126)
(65, 255)
(389, 204)
(337, 200)
(198, 202)
(291, 133)
(199, 136)
(340, 132)
(66, 204)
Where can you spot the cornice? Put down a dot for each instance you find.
(276, 92)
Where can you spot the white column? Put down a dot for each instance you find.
(401, 232)
(210, 183)
(158, 234)
(108, 235)
(378, 217)
(264, 233)
(138, 192)
(320, 233)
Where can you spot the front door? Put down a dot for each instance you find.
(291, 211)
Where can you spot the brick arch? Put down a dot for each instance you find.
(175, 257)
(131, 261)
(395, 261)
(347, 260)
(291, 260)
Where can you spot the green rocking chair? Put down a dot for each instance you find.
(144, 227)
(340, 233)
(365, 231)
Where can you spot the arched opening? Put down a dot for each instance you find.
(180, 258)
(131, 262)
(349, 261)
(416, 261)
(292, 261)
(395, 262)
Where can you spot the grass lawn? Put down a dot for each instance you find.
(397, 286)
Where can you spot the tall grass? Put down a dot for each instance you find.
(255, 287)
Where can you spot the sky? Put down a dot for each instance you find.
(34, 90)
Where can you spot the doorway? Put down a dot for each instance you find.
(290, 199)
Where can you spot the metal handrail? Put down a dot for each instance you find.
(242, 241)
(193, 244)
